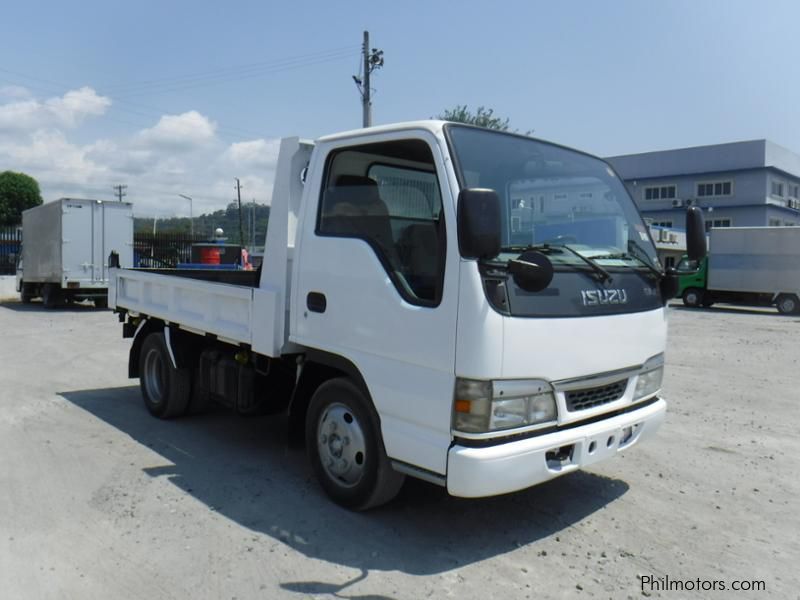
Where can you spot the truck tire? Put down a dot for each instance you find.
(692, 297)
(788, 304)
(52, 296)
(166, 390)
(25, 292)
(345, 447)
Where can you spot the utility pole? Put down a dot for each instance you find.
(120, 189)
(191, 217)
(253, 225)
(373, 59)
(239, 200)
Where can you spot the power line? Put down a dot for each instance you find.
(257, 67)
(224, 75)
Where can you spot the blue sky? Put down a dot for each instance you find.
(181, 97)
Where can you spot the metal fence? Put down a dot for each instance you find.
(162, 249)
(10, 247)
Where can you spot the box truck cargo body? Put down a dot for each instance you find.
(65, 249)
(747, 265)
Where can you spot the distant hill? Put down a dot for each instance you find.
(204, 225)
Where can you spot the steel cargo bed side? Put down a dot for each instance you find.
(221, 309)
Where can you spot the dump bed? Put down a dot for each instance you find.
(238, 314)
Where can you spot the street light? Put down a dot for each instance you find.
(191, 220)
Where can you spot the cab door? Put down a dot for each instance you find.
(376, 282)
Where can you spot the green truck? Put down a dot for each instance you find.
(757, 266)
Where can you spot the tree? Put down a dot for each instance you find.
(483, 117)
(18, 192)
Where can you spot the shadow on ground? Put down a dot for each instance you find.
(244, 470)
(764, 311)
(36, 306)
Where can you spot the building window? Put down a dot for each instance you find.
(777, 189)
(714, 223)
(660, 192)
(666, 224)
(794, 191)
(774, 222)
(714, 188)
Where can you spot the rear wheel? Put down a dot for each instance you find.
(52, 295)
(692, 297)
(25, 292)
(166, 390)
(788, 304)
(345, 447)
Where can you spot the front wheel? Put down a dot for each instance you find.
(166, 390)
(345, 447)
(692, 297)
(788, 304)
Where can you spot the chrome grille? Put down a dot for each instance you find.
(595, 396)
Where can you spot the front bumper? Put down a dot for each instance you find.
(512, 466)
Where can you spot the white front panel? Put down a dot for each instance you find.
(492, 346)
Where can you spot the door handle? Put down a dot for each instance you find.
(316, 302)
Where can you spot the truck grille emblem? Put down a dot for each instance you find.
(603, 297)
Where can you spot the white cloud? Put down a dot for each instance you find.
(179, 154)
(68, 110)
(14, 92)
(259, 153)
(182, 131)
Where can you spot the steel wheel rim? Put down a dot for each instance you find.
(340, 445)
(154, 376)
(693, 298)
(788, 305)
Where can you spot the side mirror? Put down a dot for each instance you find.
(695, 234)
(532, 271)
(478, 223)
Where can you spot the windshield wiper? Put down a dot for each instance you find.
(636, 255)
(600, 271)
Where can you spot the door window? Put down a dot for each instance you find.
(388, 195)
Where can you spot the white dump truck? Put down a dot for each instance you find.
(65, 246)
(481, 310)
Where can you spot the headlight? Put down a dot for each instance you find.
(650, 378)
(483, 406)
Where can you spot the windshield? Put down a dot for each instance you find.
(553, 195)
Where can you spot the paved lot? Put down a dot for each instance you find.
(99, 501)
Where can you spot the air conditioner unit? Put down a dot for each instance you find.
(677, 203)
(689, 202)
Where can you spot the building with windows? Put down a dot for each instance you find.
(741, 184)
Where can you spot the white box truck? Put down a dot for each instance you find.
(757, 266)
(65, 246)
(412, 322)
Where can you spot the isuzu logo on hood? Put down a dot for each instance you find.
(603, 297)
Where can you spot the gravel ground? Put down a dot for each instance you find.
(98, 500)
